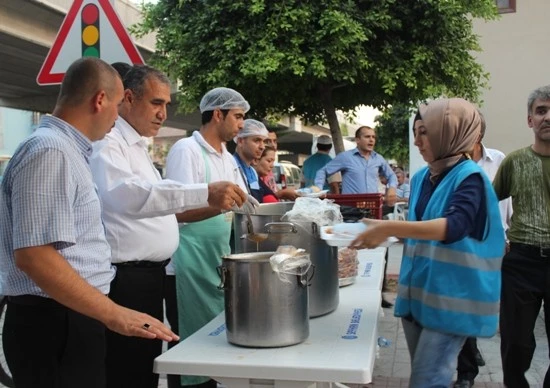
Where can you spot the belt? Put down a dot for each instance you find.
(142, 264)
(31, 300)
(532, 249)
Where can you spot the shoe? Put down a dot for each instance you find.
(462, 383)
(386, 304)
(479, 359)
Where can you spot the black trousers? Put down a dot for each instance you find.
(130, 359)
(525, 285)
(384, 280)
(48, 345)
(171, 303)
(467, 367)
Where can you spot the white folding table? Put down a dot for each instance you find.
(341, 346)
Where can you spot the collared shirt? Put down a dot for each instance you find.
(138, 205)
(489, 162)
(359, 175)
(186, 162)
(48, 197)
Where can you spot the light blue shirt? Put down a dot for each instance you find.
(403, 191)
(359, 175)
(48, 197)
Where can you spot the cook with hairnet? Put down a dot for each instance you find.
(449, 283)
(250, 145)
(204, 233)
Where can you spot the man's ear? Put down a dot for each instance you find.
(128, 96)
(218, 115)
(98, 100)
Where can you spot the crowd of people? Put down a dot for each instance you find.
(95, 243)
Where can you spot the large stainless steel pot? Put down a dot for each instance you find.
(323, 292)
(261, 310)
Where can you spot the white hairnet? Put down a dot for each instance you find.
(252, 128)
(223, 98)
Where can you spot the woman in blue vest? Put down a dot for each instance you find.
(449, 283)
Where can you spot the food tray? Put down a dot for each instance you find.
(340, 241)
(342, 282)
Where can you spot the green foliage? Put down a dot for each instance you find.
(392, 133)
(310, 57)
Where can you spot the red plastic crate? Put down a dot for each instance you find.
(373, 202)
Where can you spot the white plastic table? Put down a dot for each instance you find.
(341, 346)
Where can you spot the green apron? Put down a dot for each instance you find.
(202, 245)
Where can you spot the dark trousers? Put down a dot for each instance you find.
(384, 280)
(467, 367)
(48, 345)
(171, 303)
(130, 359)
(525, 285)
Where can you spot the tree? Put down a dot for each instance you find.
(392, 133)
(312, 57)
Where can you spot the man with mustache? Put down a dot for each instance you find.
(55, 266)
(360, 169)
(250, 145)
(524, 175)
(138, 214)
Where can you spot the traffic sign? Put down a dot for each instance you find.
(91, 28)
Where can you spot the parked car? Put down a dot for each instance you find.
(287, 175)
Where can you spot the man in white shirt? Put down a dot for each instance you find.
(469, 358)
(138, 210)
(205, 232)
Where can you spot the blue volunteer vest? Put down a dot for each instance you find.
(453, 288)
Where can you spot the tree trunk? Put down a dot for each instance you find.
(332, 119)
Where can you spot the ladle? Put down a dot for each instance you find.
(251, 236)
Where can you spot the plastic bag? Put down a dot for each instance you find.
(320, 211)
(288, 260)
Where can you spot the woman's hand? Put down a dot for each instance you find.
(376, 234)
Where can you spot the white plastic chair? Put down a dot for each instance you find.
(400, 210)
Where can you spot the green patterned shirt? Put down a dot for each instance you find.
(525, 176)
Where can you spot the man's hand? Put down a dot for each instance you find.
(135, 324)
(224, 195)
(288, 194)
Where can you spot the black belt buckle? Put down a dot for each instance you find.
(544, 252)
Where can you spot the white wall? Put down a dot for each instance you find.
(515, 53)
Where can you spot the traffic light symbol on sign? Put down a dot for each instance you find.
(90, 31)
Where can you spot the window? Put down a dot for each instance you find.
(506, 6)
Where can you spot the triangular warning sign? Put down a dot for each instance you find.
(91, 28)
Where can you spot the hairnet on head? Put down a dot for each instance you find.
(223, 98)
(252, 128)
